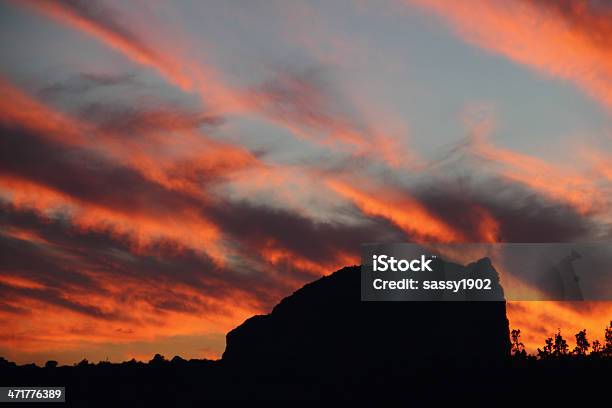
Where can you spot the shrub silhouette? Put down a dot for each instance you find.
(158, 360)
(596, 350)
(51, 364)
(547, 351)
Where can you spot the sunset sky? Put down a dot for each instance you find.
(168, 169)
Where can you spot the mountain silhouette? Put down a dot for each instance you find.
(324, 343)
(325, 323)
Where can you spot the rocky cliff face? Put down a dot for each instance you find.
(325, 326)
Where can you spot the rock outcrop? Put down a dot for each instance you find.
(325, 327)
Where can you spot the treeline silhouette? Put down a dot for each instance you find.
(324, 343)
(556, 347)
(179, 382)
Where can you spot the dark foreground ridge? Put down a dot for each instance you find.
(322, 342)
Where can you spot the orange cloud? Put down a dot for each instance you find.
(102, 25)
(173, 161)
(560, 184)
(401, 209)
(144, 227)
(568, 40)
(198, 156)
(18, 108)
(43, 335)
(276, 255)
(305, 110)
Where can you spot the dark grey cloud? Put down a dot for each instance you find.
(127, 106)
(131, 121)
(65, 259)
(523, 215)
(54, 297)
(309, 98)
(84, 174)
(75, 86)
(318, 241)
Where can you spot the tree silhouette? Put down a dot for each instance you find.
(596, 347)
(582, 343)
(83, 363)
(560, 347)
(607, 349)
(557, 346)
(517, 347)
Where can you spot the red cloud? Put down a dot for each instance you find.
(565, 39)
